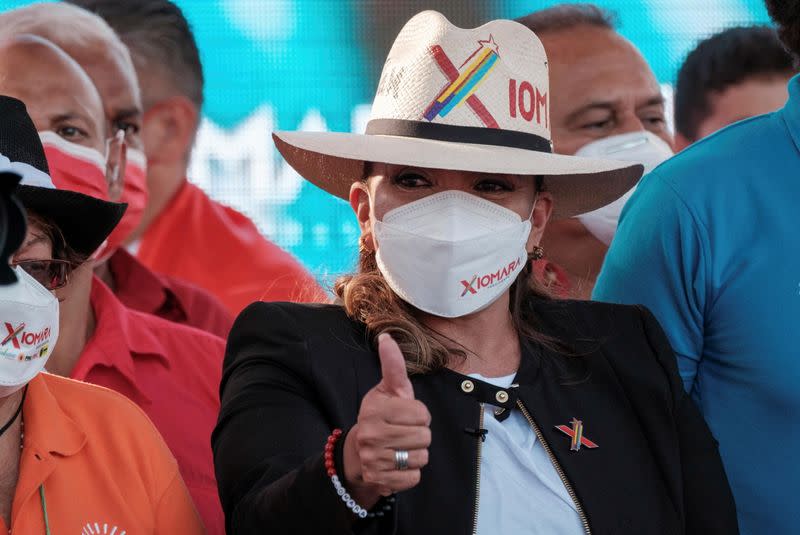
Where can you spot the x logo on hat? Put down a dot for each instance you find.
(465, 82)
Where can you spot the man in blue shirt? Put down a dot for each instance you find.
(710, 242)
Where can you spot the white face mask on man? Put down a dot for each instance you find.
(28, 331)
(451, 254)
(645, 148)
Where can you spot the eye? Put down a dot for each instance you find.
(72, 133)
(493, 185)
(599, 125)
(411, 179)
(656, 121)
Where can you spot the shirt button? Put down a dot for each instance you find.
(467, 386)
(501, 396)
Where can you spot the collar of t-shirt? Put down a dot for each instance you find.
(791, 112)
(142, 289)
(118, 336)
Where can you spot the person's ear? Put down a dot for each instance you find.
(359, 202)
(540, 217)
(168, 130)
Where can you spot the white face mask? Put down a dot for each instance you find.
(645, 148)
(452, 253)
(28, 331)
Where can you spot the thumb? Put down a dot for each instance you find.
(395, 380)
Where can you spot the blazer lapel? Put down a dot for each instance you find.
(565, 391)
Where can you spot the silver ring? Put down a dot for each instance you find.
(401, 459)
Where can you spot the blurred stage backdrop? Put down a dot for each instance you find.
(314, 65)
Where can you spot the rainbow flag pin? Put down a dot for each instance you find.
(576, 434)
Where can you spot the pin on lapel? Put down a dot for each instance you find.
(576, 434)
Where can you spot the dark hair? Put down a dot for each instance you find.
(567, 16)
(786, 14)
(723, 60)
(61, 249)
(158, 36)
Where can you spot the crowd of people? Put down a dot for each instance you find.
(535, 340)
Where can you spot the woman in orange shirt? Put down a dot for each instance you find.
(76, 458)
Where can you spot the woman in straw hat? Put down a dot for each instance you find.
(445, 393)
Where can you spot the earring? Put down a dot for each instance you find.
(536, 254)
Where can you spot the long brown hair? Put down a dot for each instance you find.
(367, 298)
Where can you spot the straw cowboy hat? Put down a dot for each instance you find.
(462, 99)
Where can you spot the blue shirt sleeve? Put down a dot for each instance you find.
(658, 259)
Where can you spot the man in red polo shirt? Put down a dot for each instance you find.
(95, 46)
(184, 233)
(171, 371)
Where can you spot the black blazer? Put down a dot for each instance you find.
(293, 373)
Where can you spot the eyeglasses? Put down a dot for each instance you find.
(52, 274)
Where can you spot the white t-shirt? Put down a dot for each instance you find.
(520, 492)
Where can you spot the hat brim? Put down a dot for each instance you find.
(12, 216)
(84, 221)
(333, 161)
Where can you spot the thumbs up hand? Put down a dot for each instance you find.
(390, 420)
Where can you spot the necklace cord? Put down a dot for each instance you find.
(16, 413)
(44, 510)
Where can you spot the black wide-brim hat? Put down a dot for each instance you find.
(12, 225)
(84, 221)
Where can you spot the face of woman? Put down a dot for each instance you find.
(390, 186)
(74, 309)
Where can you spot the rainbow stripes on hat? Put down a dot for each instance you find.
(481, 62)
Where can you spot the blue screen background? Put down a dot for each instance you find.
(313, 64)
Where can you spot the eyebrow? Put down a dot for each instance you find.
(655, 100)
(68, 116)
(127, 113)
(597, 105)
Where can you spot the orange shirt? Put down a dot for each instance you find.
(221, 250)
(173, 373)
(101, 463)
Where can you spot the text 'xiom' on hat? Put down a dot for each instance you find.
(463, 99)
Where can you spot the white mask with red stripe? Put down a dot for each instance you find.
(451, 254)
(84, 170)
(28, 331)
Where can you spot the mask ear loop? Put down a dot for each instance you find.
(538, 252)
(539, 186)
(116, 160)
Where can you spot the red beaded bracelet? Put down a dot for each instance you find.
(330, 466)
